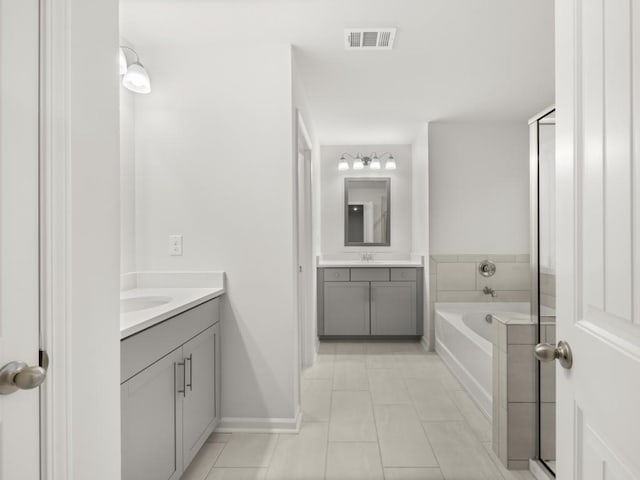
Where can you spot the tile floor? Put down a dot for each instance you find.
(371, 410)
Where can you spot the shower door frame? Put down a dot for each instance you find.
(534, 216)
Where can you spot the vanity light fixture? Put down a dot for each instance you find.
(373, 162)
(390, 164)
(343, 164)
(359, 163)
(135, 76)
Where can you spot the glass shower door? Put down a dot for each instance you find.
(543, 303)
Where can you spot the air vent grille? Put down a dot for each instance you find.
(369, 38)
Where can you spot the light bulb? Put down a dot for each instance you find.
(343, 164)
(390, 164)
(122, 61)
(357, 163)
(137, 79)
(375, 163)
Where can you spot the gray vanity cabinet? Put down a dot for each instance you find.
(149, 429)
(346, 308)
(393, 308)
(199, 404)
(372, 301)
(170, 393)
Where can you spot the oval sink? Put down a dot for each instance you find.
(141, 303)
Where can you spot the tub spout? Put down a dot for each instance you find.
(490, 291)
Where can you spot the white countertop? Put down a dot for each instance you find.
(372, 263)
(181, 300)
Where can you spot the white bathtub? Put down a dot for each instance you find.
(464, 341)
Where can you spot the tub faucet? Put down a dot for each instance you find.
(490, 291)
(366, 257)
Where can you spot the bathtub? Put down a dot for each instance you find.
(464, 341)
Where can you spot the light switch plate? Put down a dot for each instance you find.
(175, 245)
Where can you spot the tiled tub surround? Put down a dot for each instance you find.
(464, 341)
(548, 290)
(514, 389)
(548, 396)
(455, 278)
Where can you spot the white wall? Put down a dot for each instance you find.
(91, 171)
(420, 214)
(332, 198)
(479, 188)
(214, 163)
(547, 196)
(127, 183)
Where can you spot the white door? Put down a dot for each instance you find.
(305, 264)
(598, 237)
(19, 242)
(302, 253)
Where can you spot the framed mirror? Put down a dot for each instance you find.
(367, 212)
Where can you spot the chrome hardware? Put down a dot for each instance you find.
(488, 318)
(546, 352)
(16, 376)
(487, 268)
(490, 291)
(184, 377)
(366, 257)
(190, 384)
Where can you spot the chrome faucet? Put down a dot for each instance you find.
(366, 256)
(490, 291)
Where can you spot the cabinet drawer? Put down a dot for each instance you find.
(404, 275)
(369, 274)
(336, 274)
(142, 349)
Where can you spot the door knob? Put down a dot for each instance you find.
(546, 352)
(16, 376)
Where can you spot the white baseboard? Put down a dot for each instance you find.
(260, 425)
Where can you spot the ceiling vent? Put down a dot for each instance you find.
(369, 38)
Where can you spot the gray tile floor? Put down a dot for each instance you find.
(371, 410)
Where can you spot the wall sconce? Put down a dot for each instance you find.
(135, 77)
(373, 162)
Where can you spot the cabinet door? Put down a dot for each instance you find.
(393, 308)
(149, 423)
(346, 308)
(199, 403)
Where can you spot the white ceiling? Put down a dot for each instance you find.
(453, 60)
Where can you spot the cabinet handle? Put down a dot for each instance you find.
(190, 384)
(184, 378)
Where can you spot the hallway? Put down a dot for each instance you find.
(371, 410)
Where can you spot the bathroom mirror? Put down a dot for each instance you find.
(367, 212)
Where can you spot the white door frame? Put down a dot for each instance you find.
(79, 240)
(55, 401)
(304, 147)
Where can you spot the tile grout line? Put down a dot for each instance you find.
(375, 425)
(213, 465)
(426, 436)
(326, 453)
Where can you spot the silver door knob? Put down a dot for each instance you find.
(16, 376)
(546, 352)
